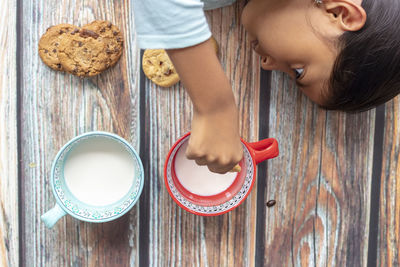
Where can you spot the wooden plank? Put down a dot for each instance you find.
(389, 216)
(57, 107)
(321, 182)
(9, 246)
(177, 237)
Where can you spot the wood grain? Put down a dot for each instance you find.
(176, 237)
(56, 107)
(9, 246)
(321, 182)
(389, 216)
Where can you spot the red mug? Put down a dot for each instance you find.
(234, 195)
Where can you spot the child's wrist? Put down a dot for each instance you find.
(219, 107)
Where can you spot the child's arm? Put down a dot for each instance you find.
(215, 139)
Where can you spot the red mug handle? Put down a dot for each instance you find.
(264, 149)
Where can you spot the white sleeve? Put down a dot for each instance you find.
(170, 23)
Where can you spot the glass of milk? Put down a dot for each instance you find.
(96, 177)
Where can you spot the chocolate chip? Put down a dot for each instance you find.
(119, 39)
(59, 65)
(80, 44)
(103, 30)
(54, 50)
(75, 31)
(271, 203)
(46, 51)
(88, 33)
(115, 33)
(61, 32)
(56, 44)
(169, 72)
(161, 63)
(108, 51)
(109, 25)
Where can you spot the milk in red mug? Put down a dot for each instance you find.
(202, 192)
(200, 180)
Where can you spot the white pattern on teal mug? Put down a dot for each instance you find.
(69, 203)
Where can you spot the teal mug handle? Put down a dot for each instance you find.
(52, 216)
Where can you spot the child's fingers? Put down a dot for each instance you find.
(194, 154)
(220, 168)
(214, 166)
(201, 161)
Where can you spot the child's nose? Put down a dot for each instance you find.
(268, 63)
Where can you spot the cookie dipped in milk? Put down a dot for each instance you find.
(200, 180)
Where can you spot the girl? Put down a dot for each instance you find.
(343, 54)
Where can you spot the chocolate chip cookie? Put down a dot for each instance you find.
(158, 67)
(85, 51)
(92, 49)
(215, 44)
(49, 44)
(110, 35)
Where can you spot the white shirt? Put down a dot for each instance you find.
(171, 24)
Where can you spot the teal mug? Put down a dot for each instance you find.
(114, 198)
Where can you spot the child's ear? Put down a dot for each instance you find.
(346, 14)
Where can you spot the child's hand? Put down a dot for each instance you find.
(215, 140)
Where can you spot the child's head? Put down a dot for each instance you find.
(344, 54)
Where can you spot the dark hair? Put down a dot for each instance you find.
(366, 72)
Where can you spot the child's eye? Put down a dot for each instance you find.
(298, 73)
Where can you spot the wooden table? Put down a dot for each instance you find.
(336, 181)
